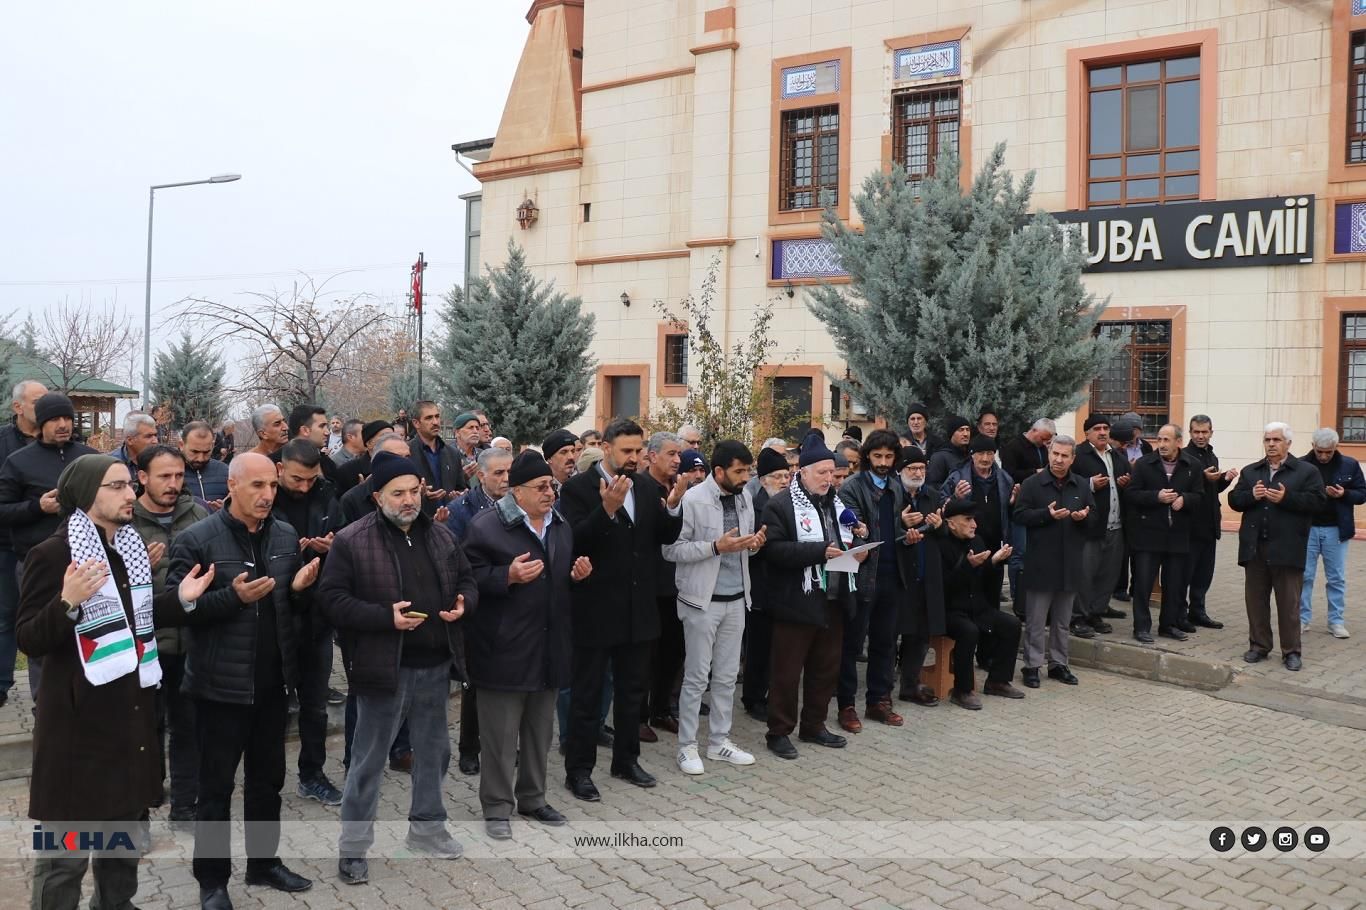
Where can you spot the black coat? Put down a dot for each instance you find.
(616, 604)
(1153, 526)
(362, 581)
(96, 752)
(11, 441)
(221, 660)
(665, 587)
(1052, 560)
(1284, 525)
(26, 475)
(349, 473)
(923, 611)
(520, 639)
(944, 462)
(1088, 464)
(1021, 458)
(323, 517)
(1207, 524)
(450, 478)
(962, 580)
(789, 559)
(357, 502)
(758, 563)
(862, 497)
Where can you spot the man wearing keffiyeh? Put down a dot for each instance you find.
(85, 607)
(809, 605)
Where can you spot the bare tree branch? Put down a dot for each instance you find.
(83, 343)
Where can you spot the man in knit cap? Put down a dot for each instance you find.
(86, 608)
(953, 454)
(28, 488)
(809, 605)
(559, 450)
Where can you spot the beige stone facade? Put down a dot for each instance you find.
(675, 165)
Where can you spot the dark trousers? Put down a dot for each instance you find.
(1173, 569)
(585, 705)
(254, 736)
(996, 631)
(175, 730)
(315, 671)
(758, 648)
(517, 728)
(1124, 584)
(35, 664)
(876, 619)
(809, 657)
(469, 722)
(666, 660)
(57, 877)
(9, 610)
(914, 650)
(1201, 574)
(1260, 581)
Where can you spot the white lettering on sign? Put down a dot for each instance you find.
(1115, 242)
(1275, 233)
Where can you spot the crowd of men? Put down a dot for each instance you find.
(175, 604)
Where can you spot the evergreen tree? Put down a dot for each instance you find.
(960, 300)
(188, 379)
(517, 348)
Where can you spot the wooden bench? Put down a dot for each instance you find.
(939, 674)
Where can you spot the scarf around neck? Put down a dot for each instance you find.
(810, 530)
(107, 647)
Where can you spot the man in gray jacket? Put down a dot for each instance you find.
(712, 575)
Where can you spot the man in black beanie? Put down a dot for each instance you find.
(953, 454)
(918, 430)
(28, 488)
(559, 451)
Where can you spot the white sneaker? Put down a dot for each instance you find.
(688, 760)
(729, 751)
(1304, 627)
(1339, 630)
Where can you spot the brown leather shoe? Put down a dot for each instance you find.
(402, 762)
(924, 696)
(969, 700)
(849, 720)
(647, 735)
(882, 712)
(668, 724)
(1003, 689)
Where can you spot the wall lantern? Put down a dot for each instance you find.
(625, 299)
(527, 213)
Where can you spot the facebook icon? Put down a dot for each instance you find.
(1221, 839)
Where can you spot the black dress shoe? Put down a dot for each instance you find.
(1101, 626)
(280, 878)
(1173, 633)
(825, 738)
(546, 815)
(1030, 677)
(1112, 613)
(1122, 596)
(635, 774)
(353, 870)
(1204, 621)
(1082, 630)
(214, 899)
(1188, 627)
(781, 746)
(758, 711)
(469, 765)
(1293, 662)
(582, 788)
(1145, 637)
(606, 738)
(1062, 675)
(498, 828)
(1254, 656)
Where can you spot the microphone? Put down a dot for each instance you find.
(848, 518)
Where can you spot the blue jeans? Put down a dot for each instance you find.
(9, 609)
(1323, 541)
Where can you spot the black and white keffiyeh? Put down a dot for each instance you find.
(108, 648)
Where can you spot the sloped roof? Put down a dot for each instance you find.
(25, 366)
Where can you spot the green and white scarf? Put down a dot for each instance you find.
(108, 648)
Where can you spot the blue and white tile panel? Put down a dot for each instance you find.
(1349, 227)
(813, 79)
(929, 61)
(813, 257)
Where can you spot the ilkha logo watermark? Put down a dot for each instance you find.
(97, 840)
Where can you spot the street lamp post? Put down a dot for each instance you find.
(147, 310)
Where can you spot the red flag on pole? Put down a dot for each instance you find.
(418, 268)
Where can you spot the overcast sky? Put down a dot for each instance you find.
(339, 116)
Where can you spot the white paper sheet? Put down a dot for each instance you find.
(845, 562)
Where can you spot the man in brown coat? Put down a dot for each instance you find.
(95, 754)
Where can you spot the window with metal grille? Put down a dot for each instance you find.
(1352, 385)
(810, 158)
(1356, 102)
(1143, 132)
(1138, 377)
(924, 124)
(675, 359)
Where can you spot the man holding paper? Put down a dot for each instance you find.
(809, 605)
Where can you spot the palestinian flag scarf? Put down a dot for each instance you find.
(107, 647)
